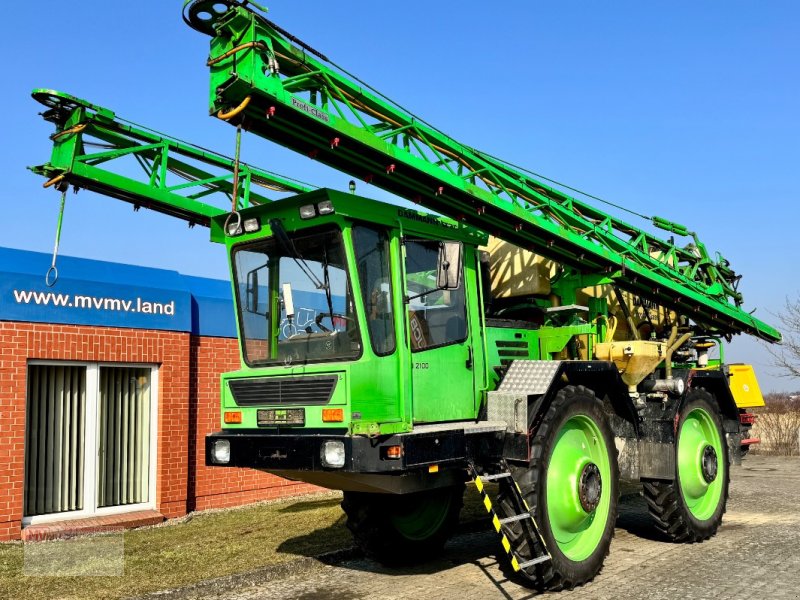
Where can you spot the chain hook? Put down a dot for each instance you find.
(52, 273)
(227, 227)
(235, 197)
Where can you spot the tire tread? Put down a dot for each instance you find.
(548, 576)
(669, 515)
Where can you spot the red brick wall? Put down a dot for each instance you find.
(188, 404)
(22, 342)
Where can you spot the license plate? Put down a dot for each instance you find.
(281, 416)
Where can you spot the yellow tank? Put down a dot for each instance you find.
(635, 359)
(516, 272)
(640, 310)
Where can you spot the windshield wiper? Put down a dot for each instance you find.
(289, 247)
(326, 274)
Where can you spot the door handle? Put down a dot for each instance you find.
(469, 357)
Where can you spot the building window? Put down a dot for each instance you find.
(124, 436)
(89, 441)
(54, 441)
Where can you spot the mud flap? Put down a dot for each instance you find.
(656, 460)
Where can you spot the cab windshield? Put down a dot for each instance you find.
(294, 299)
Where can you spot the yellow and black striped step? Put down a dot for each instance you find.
(505, 479)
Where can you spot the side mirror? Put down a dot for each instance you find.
(251, 295)
(448, 272)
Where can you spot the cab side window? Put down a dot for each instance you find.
(436, 317)
(372, 259)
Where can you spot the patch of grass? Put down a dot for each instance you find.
(204, 546)
(208, 545)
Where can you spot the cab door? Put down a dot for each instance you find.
(442, 371)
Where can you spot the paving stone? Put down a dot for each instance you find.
(755, 554)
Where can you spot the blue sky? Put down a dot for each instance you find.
(686, 110)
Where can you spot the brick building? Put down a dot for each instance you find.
(109, 382)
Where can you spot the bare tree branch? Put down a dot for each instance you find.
(787, 353)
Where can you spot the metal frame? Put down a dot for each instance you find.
(174, 177)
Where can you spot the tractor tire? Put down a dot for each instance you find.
(571, 486)
(689, 509)
(403, 529)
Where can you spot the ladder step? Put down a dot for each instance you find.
(519, 517)
(535, 561)
(493, 477)
(507, 479)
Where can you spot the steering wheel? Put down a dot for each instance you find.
(322, 315)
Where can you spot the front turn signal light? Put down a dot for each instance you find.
(332, 415)
(233, 418)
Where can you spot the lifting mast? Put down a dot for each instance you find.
(266, 81)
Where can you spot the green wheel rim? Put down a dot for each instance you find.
(698, 432)
(577, 531)
(417, 521)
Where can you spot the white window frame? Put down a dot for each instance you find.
(90, 508)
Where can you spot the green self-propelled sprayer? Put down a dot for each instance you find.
(525, 340)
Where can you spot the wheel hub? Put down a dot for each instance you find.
(590, 487)
(709, 466)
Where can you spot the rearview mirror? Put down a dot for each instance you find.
(288, 301)
(448, 272)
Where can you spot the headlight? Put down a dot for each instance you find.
(325, 207)
(307, 211)
(234, 228)
(332, 454)
(221, 452)
(252, 225)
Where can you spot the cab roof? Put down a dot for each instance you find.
(349, 208)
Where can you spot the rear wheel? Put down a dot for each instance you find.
(571, 486)
(690, 508)
(403, 529)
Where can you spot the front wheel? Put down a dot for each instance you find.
(571, 486)
(690, 508)
(403, 529)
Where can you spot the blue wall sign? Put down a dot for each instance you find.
(90, 292)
